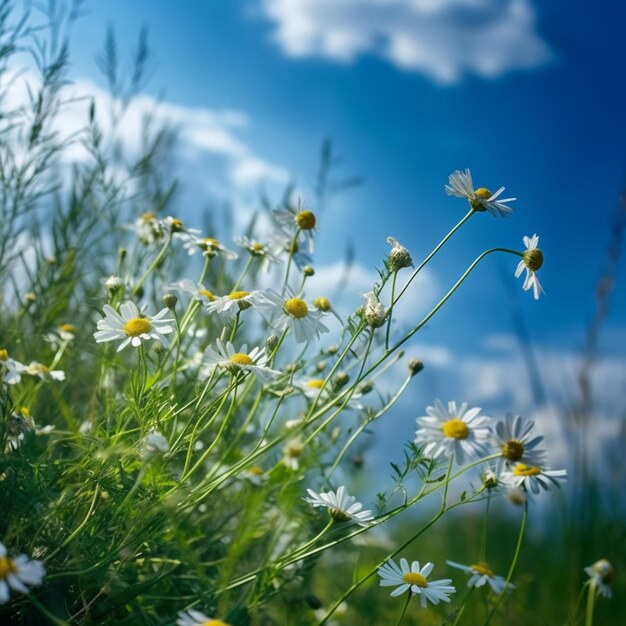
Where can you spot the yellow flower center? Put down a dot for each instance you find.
(256, 470)
(147, 217)
(533, 259)
(413, 578)
(208, 294)
(176, 225)
(7, 566)
(68, 328)
(513, 450)
(316, 383)
(604, 569)
(483, 569)
(296, 308)
(321, 303)
(238, 295)
(482, 193)
(4, 355)
(39, 368)
(294, 450)
(25, 412)
(215, 622)
(338, 515)
(306, 220)
(455, 428)
(526, 470)
(241, 359)
(257, 247)
(136, 327)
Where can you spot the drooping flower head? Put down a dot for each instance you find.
(242, 360)
(414, 577)
(298, 220)
(460, 185)
(453, 430)
(482, 574)
(514, 438)
(341, 506)
(399, 256)
(532, 260)
(601, 574)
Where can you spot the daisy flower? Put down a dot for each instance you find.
(148, 228)
(197, 618)
(228, 306)
(227, 357)
(414, 578)
(18, 574)
(198, 291)
(514, 438)
(373, 310)
(10, 369)
(207, 245)
(255, 475)
(532, 477)
(601, 574)
(62, 335)
(44, 373)
(482, 574)
(281, 243)
(481, 199)
(453, 431)
(258, 249)
(131, 326)
(290, 312)
(341, 506)
(312, 388)
(532, 260)
(177, 227)
(292, 452)
(297, 219)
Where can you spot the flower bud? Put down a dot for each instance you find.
(415, 366)
(170, 300)
(399, 256)
(365, 387)
(271, 342)
(113, 283)
(321, 303)
(332, 349)
(308, 271)
(341, 380)
(373, 310)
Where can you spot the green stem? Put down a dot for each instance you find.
(152, 267)
(390, 312)
(591, 597)
(243, 273)
(483, 538)
(518, 548)
(406, 606)
(460, 610)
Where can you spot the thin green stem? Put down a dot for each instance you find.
(591, 598)
(483, 538)
(152, 266)
(406, 606)
(390, 311)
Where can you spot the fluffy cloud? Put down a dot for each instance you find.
(443, 39)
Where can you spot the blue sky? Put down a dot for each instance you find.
(528, 95)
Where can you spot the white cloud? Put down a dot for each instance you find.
(443, 39)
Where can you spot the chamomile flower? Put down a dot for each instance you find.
(132, 327)
(254, 475)
(228, 358)
(299, 220)
(10, 369)
(197, 618)
(18, 574)
(61, 336)
(414, 577)
(228, 306)
(282, 244)
(482, 574)
(373, 310)
(18, 424)
(453, 431)
(532, 260)
(399, 256)
(149, 228)
(481, 199)
(601, 574)
(514, 438)
(207, 245)
(258, 249)
(198, 291)
(290, 312)
(176, 226)
(341, 506)
(43, 372)
(313, 387)
(292, 452)
(532, 477)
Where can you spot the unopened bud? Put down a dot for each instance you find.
(170, 300)
(320, 366)
(365, 387)
(29, 298)
(113, 283)
(374, 311)
(332, 349)
(341, 380)
(271, 342)
(415, 366)
(399, 256)
(321, 303)
(308, 271)
(489, 478)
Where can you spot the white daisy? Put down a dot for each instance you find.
(514, 438)
(177, 227)
(131, 326)
(601, 574)
(532, 477)
(228, 306)
(149, 228)
(197, 618)
(481, 199)
(481, 574)
(297, 219)
(312, 388)
(292, 452)
(207, 245)
(61, 336)
(258, 249)
(532, 260)
(235, 361)
(18, 574)
(341, 506)
(290, 312)
(414, 578)
(44, 373)
(255, 475)
(198, 291)
(10, 369)
(282, 243)
(453, 431)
